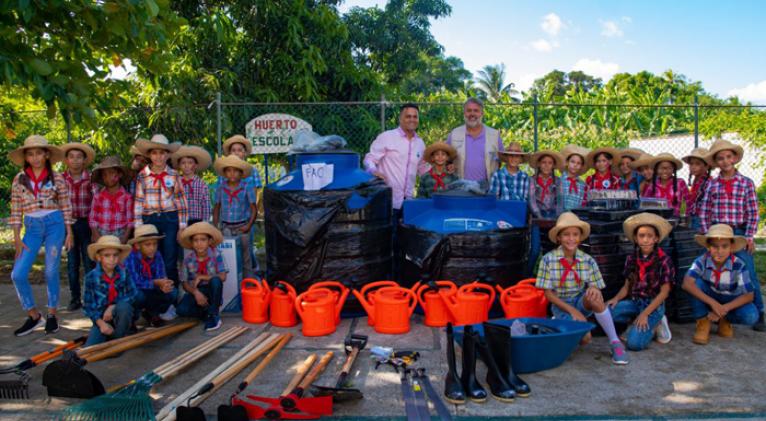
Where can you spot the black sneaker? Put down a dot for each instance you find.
(51, 324)
(156, 321)
(29, 325)
(74, 305)
(760, 326)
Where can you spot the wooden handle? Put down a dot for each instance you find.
(262, 365)
(246, 360)
(135, 342)
(179, 363)
(316, 371)
(302, 370)
(82, 353)
(350, 361)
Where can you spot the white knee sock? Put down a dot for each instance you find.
(605, 320)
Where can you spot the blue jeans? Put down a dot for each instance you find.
(77, 256)
(577, 302)
(213, 290)
(744, 315)
(535, 244)
(45, 231)
(750, 264)
(122, 316)
(627, 310)
(694, 222)
(154, 301)
(167, 224)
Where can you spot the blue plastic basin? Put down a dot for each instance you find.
(346, 170)
(446, 213)
(532, 353)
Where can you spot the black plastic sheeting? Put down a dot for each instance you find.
(500, 255)
(312, 236)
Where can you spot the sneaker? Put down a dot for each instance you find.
(74, 305)
(170, 314)
(662, 331)
(51, 324)
(760, 326)
(29, 325)
(212, 323)
(156, 321)
(619, 355)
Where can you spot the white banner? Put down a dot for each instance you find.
(274, 133)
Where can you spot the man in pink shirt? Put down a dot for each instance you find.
(396, 156)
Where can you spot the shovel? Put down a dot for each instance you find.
(340, 393)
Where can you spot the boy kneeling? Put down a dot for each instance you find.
(108, 297)
(720, 284)
(205, 273)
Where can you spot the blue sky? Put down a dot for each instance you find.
(721, 43)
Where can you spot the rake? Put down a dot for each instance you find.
(133, 402)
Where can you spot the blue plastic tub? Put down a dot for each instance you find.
(346, 170)
(532, 353)
(449, 213)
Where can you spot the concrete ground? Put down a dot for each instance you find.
(675, 381)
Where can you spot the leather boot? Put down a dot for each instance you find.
(499, 342)
(499, 388)
(472, 388)
(725, 329)
(702, 333)
(453, 389)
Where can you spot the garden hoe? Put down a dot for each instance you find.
(342, 393)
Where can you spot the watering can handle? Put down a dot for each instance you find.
(528, 281)
(250, 281)
(377, 284)
(299, 305)
(414, 298)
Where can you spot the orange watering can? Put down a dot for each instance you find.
(429, 297)
(318, 310)
(255, 300)
(338, 291)
(471, 303)
(389, 308)
(523, 300)
(368, 290)
(282, 307)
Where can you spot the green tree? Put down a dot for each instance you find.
(491, 82)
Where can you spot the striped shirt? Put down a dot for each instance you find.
(506, 186)
(567, 283)
(52, 196)
(197, 198)
(81, 193)
(158, 193)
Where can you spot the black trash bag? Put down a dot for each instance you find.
(308, 141)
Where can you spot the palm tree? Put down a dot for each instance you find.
(491, 81)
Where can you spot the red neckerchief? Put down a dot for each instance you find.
(717, 272)
(642, 266)
(665, 192)
(728, 185)
(146, 267)
(113, 199)
(202, 266)
(567, 269)
(188, 185)
(36, 181)
(573, 185)
(159, 178)
(232, 194)
(112, 294)
(439, 179)
(697, 185)
(76, 183)
(599, 180)
(544, 187)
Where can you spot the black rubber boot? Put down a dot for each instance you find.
(453, 389)
(498, 339)
(472, 388)
(498, 386)
(760, 326)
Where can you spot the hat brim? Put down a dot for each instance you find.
(144, 146)
(220, 166)
(558, 160)
(448, 149)
(740, 242)
(90, 154)
(196, 229)
(590, 159)
(94, 248)
(200, 155)
(141, 239)
(739, 151)
(17, 155)
(630, 225)
(97, 176)
(230, 141)
(677, 163)
(584, 229)
(688, 158)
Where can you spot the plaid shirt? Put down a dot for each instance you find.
(658, 271)
(96, 295)
(633, 184)
(696, 194)
(506, 186)
(571, 193)
(235, 203)
(606, 182)
(675, 197)
(553, 275)
(738, 209)
(81, 193)
(427, 185)
(138, 272)
(197, 198)
(213, 264)
(734, 279)
(111, 212)
(253, 182)
(52, 196)
(155, 196)
(542, 206)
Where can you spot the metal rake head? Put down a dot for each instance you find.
(112, 408)
(16, 388)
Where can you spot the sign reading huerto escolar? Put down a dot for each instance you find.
(274, 133)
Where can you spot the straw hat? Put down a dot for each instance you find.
(724, 145)
(558, 160)
(566, 220)
(237, 138)
(200, 228)
(645, 218)
(134, 150)
(90, 154)
(110, 162)
(514, 149)
(158, 141)
(644, 161)
(699, 153)
(591, 158)
(631, 153)
(232, 161)
(145, 232)
(35, 141)
(570, 150)
(666, 157)
(722, 231)
(199, 154)
(440, 146)
(108, 242)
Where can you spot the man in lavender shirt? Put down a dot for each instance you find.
(477, 145)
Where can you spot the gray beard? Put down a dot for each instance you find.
(472, 124)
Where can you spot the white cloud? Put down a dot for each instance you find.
(543, 45)
(610, 29)
(754, 92)
(552, 24)
(525, 81)
(597, 68)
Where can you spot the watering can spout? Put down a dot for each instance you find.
(368, 307)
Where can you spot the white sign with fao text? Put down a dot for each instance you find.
(317, 175)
